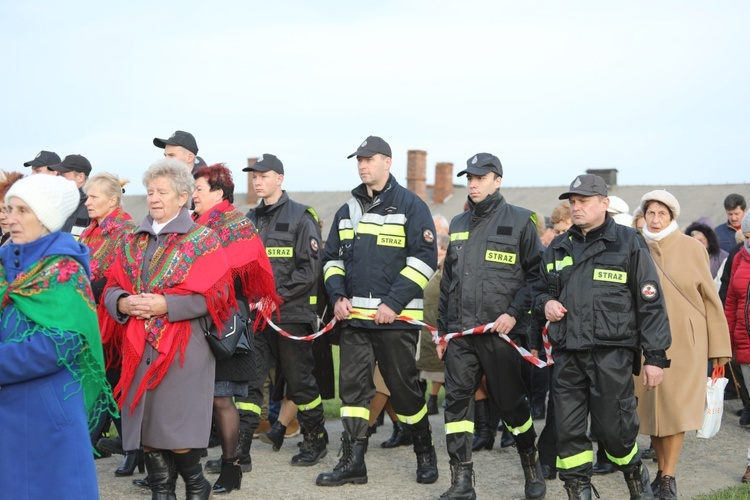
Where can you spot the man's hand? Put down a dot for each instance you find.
(385, 315)
(342, 309)
(441, 350)
(535, 353)
(504, 324)
(652, 376)
(554, 311)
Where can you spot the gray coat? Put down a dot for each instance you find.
(177, 413)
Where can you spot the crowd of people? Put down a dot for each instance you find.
(602, 321)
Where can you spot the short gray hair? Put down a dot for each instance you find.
(110, 184)
(175, 171)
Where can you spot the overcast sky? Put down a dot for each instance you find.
(658, 90)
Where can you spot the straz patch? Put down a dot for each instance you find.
(282, 252)
(649, 291)
(428, 236)
(314, 244)
(501, 257)
(610, 275)
(391, 241)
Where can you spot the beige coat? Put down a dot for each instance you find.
(677, 404)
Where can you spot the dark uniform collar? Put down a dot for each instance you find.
(264, 209)
(487, 205)
(607, 231)
(360, 192)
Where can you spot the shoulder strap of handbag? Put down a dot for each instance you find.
(678, 289)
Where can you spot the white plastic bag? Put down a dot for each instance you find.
(714, 407)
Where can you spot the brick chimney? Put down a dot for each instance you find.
(252, 198)
(416, 172)
(443, 182)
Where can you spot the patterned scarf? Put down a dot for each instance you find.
(55, 295)
(103, 240)
(247, 256)
(183, 264)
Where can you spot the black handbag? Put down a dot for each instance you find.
(234, 337)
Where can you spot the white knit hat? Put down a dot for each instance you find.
(664, 197)
(617, 205)
(51, 198)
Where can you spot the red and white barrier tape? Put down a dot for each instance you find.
(477, 330)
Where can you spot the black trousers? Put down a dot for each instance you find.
(466, 360)
(394, 351)
(295, 360)
(599, 383)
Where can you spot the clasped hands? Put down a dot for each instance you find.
(143, 306)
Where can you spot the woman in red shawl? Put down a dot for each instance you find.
(167, 275)
(253, 281)
(109, 223)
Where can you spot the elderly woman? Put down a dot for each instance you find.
(699, 333)
(735, 309)
(253, 279)
(51, 366)
(167, 275)
(7, 179)
(109, 222)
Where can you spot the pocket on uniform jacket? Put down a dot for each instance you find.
(501, 254)
(51, 402)
(612, 316)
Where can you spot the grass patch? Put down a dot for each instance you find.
(739, 492)
(332, 407)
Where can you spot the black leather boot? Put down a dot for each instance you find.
(427, 469)
(313, 447)
(578, 489)
(637, 481)
(351, 467)
(243, 450)
(189, 466)
(132, 460)
(668, 488)
(483, 436)
(400, 437)
(462, 482)
(535, 487)
(274, 436)
(230, 477)
(506, 440)
(213, 466)
(656, 484)
(161, 474)
(432, 406)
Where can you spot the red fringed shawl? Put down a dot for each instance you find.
(103, 240)
(183, 264)
(247, 256)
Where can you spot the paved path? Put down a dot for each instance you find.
(705, 466)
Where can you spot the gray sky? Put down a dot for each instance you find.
(658, 90)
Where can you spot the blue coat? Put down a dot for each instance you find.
(44, 438)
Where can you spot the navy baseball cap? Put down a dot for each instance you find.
(586, 185)
(43, 159)
(179, 138)
(481, 164)
(371, 146)
(265, 163)
(73, 163)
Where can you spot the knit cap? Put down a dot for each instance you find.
(51, 198)
(746, 223)
(664, 197)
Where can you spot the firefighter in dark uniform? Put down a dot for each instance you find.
(291, 235)
(379, 256)
(601, 293)
(487, 278)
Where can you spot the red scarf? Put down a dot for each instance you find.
(103, 239)
(247, 256)
(183, 264)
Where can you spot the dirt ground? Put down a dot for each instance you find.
(705, 466)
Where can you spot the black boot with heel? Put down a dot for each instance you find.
(189, 466)
(132, 460)
(230, 477)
